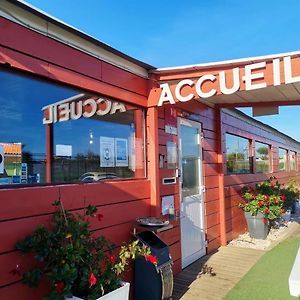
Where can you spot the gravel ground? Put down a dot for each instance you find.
(275, 234)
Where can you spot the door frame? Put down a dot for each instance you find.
(186, 122)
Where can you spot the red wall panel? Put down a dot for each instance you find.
(28, 207)
(30, 51)
(235, 221)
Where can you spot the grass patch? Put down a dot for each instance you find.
(268, 278)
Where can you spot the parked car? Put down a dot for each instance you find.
(96, 176)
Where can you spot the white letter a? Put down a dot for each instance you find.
(165, 95)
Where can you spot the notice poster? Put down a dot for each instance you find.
(1, 159)
(121, 147)
(64, 150)
(107, 151)
(167, 204)
(171, 155)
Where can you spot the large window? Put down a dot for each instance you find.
(102, 146)
(293, 159)
(52, 133)
(282, 156)
(262, 158)
(237, 155)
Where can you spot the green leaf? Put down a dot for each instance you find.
(32, 278)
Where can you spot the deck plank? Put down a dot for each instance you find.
(229, 263)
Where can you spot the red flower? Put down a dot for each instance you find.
(267, 202)
(92, 280)
(99, 216)
(112, 259)
(260, 204)
(59, 286)
(282, 197)
(253, 195)
(265, 221)
(151, 259)
(266, 211)
(267, 197)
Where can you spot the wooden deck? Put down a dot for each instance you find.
(229, 264)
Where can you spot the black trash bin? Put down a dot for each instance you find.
(153, 282)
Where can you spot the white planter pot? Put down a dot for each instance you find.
(122, 293)
(256, 226)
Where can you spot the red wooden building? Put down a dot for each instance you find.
(96, 126)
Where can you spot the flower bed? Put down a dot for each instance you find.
(276, 233)
(267, 203)
(266, 199)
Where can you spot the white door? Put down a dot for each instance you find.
(191, 182)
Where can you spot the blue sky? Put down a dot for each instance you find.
(170, 33)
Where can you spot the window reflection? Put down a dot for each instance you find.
(262, 157)
(22, 135)
(282, 155)
(190, 160)
(237, 154)
(97, 148)
(81, 127)
(293, 156)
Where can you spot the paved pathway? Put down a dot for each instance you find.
(229, 264)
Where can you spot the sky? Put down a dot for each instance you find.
(168, 33)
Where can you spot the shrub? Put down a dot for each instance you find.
(73, 260)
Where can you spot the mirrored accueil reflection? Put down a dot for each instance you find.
(54, 133)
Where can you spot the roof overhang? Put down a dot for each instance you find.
(257, 81)
(25, 14)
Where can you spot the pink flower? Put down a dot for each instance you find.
(92, 280)
(265, 221)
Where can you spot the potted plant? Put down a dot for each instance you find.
(77, 264)
(262, 205)
(291, 193)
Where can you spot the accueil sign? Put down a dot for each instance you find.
(74, 110)
(252, 74)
